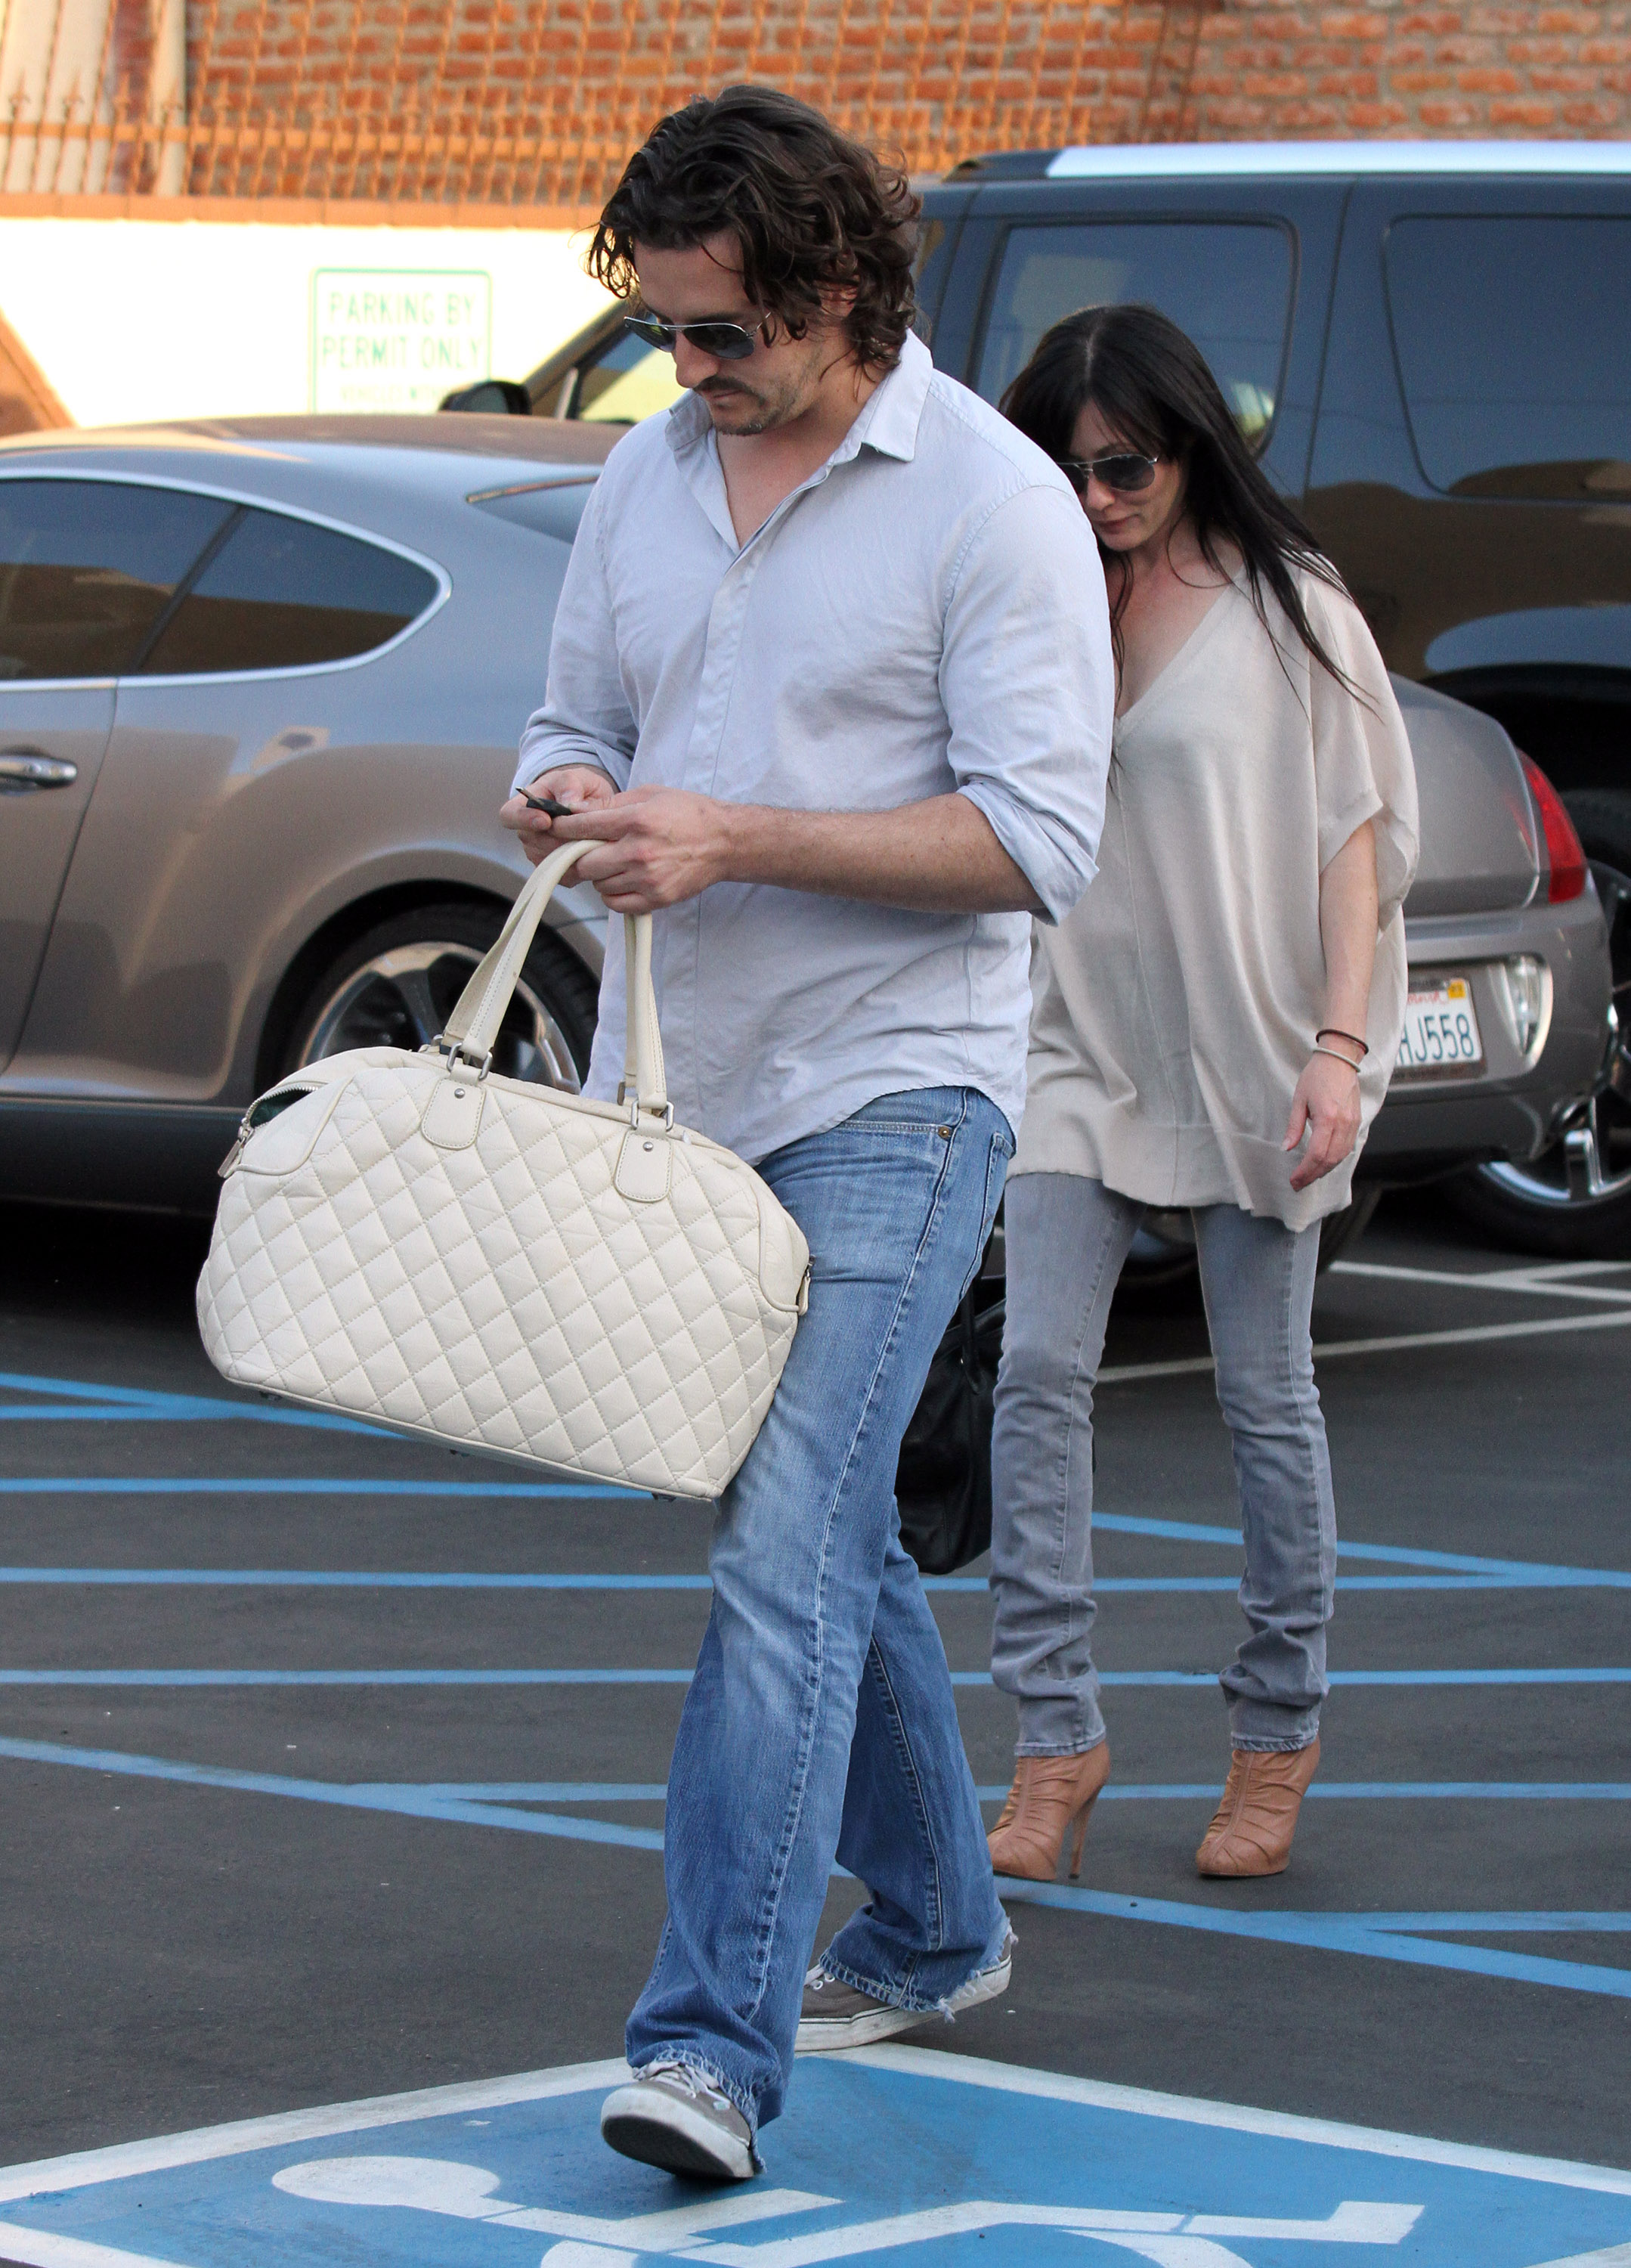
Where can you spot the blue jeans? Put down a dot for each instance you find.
(820, 1722)
(1067, 1238)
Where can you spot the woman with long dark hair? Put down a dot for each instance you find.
(1214, 1028)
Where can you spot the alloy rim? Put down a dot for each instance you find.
(402, 998)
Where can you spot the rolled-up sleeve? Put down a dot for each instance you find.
(586, 718)
(1028, 682)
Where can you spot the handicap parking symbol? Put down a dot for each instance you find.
(895, 2155)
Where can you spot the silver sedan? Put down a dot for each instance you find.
(260, 686)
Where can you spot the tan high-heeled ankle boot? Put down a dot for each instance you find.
(1050, 1793)
(1251, 1829)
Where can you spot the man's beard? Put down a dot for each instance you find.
(763, 412)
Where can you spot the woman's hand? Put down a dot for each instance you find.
(583, 786)
(1326, 1107)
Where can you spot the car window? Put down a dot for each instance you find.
(623, 381)
(1514, 340)
(1227, 283)
(283, 594)
(86, 567)
(545, 507)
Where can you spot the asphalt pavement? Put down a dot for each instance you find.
(332, 1768)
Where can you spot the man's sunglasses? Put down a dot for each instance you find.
(721, 342)
(1126, 475)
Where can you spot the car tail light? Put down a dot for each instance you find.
(1564, 852)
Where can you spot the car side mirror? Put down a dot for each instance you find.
(503, 397)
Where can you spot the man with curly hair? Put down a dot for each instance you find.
(831, 680)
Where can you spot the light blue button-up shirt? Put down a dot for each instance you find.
(925, 616)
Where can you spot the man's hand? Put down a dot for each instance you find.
(1326, 1105)
(663, 844)
(582, 785)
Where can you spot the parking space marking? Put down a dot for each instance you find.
(1200, 1679)
(1571, 1578)
(410, 1801)
(1372, 1936)
(201, 2145)
(1499, 1573)
(1123, 1791)
(1396, 1343)
(136, 1403)
(1509, 1280)
(362, 1578)
(1184, 2184)
(264, 1484)
(1184, 1531)
(1397, 1937)
(1175, 1531)
(384, 1795)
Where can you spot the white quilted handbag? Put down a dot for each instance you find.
(585, 1287)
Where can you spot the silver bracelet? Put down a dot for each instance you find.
(1336, 1056)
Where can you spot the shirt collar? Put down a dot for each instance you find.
(887, 421)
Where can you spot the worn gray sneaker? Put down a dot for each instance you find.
(839, 2016)
(670, 2116)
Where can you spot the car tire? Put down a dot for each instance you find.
(1573, 1201)
(394, 985)
(1162, 1276)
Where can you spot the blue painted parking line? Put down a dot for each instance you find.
(163, 1678)
(1375, 1936)
(559, 1791)
(413, 1802)
(1397, 1937)
(477, 2176)
(59, 1485)
(82, 1399)
(1178, 1679)
(1489, 1573)
(479, 1579)
(1184, 1531)
(354, 1580)
(1449, 1791)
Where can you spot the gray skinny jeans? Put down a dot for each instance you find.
(1068, 1238)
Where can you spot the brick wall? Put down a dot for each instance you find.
(1553, 72)
(529, 101)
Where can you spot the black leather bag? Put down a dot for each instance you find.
(943, 1481)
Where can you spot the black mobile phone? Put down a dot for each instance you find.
(547, 803)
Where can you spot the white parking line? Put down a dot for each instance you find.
(1123, 1373)
(1548, 1269)
(1534, 1284)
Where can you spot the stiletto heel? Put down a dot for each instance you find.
(1050, 1796)
(1082, 1818)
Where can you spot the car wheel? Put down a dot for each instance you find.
(1163, 1277)
(396, 987)
(1573, 1201)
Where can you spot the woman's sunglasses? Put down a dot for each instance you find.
(721, 342)
(1126, 475)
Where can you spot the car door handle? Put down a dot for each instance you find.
(23, 769)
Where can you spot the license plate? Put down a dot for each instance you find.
(1441, 1032)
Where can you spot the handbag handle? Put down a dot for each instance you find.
(473, 1027)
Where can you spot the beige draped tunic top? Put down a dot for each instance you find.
(1175, 1008)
